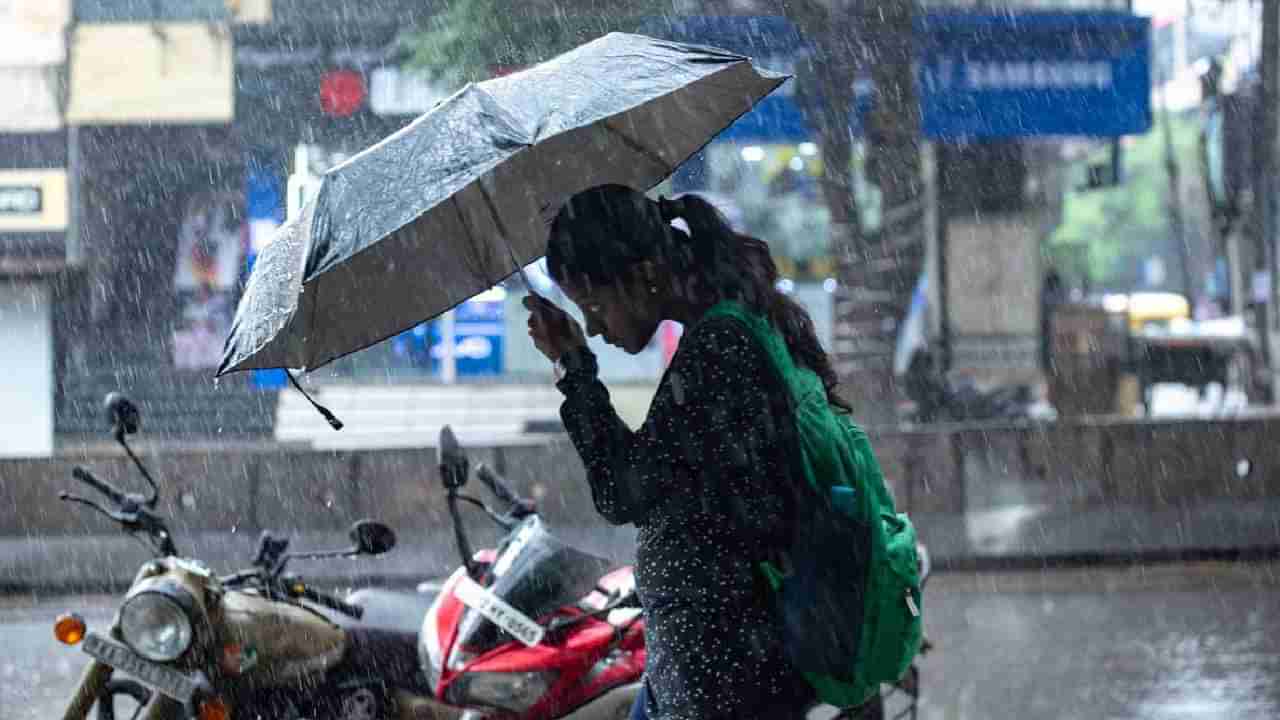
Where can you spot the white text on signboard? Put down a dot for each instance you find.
(20, 200)
(948, 74)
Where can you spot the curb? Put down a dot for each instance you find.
(953, 564)
(988, 563)
(55, 588)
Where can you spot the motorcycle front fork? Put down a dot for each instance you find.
(93, 682)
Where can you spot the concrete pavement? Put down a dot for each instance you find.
(1010, 536)
(1032, 534)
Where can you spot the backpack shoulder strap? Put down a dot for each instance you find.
(794, 384)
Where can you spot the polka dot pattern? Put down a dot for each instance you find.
(704, 480)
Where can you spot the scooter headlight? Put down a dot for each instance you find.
(156, 621)
(514, 691)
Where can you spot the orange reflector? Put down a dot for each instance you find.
(214, 709)
(69, 628)
(232, 655)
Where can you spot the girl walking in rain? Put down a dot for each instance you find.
(707, 479)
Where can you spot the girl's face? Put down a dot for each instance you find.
(626, 313)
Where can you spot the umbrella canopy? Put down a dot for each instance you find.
(462, 197)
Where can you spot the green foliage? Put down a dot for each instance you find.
(472, 38)
(1105, 233)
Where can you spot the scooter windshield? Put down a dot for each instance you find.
(534, 573)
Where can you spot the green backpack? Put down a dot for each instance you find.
(849, 587)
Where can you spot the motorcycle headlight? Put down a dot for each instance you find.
(156, 621)
(514, 691)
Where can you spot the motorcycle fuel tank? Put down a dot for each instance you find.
(272, 643)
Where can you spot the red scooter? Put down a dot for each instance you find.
(534, 628)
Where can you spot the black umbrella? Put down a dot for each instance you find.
(461, 198)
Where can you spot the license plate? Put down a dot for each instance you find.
(166, 680)
(521, 626)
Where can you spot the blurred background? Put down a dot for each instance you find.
(1037, 237)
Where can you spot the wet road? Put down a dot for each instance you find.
(1166, 643)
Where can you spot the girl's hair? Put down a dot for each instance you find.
(602, 234)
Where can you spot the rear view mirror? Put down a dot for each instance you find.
(122, 414)
(452, 459)
(372, 537)
(449, 451)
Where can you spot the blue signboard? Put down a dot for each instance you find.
(774, 119)
(264, 201)
(478, 334)
(1013, 75)
(980, 75)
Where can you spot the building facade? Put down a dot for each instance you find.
(147, 159)
(37, 251)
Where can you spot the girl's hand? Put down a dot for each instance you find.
(554, 331)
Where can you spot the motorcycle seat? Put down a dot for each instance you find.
(396, 610)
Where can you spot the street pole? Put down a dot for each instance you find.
(449, 346)
(1175, 197)
(74, 249)
(878, 276)
(1265, 186)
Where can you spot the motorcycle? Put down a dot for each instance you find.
(258, 643)
(534, 628)
(531, 629)
(937, 398)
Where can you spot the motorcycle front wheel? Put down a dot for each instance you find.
(123, 699)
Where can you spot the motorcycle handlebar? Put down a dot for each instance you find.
(496, 484)
(240, 577)
(101, 486)
(329, 601)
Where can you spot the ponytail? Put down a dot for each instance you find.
(740, 267)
